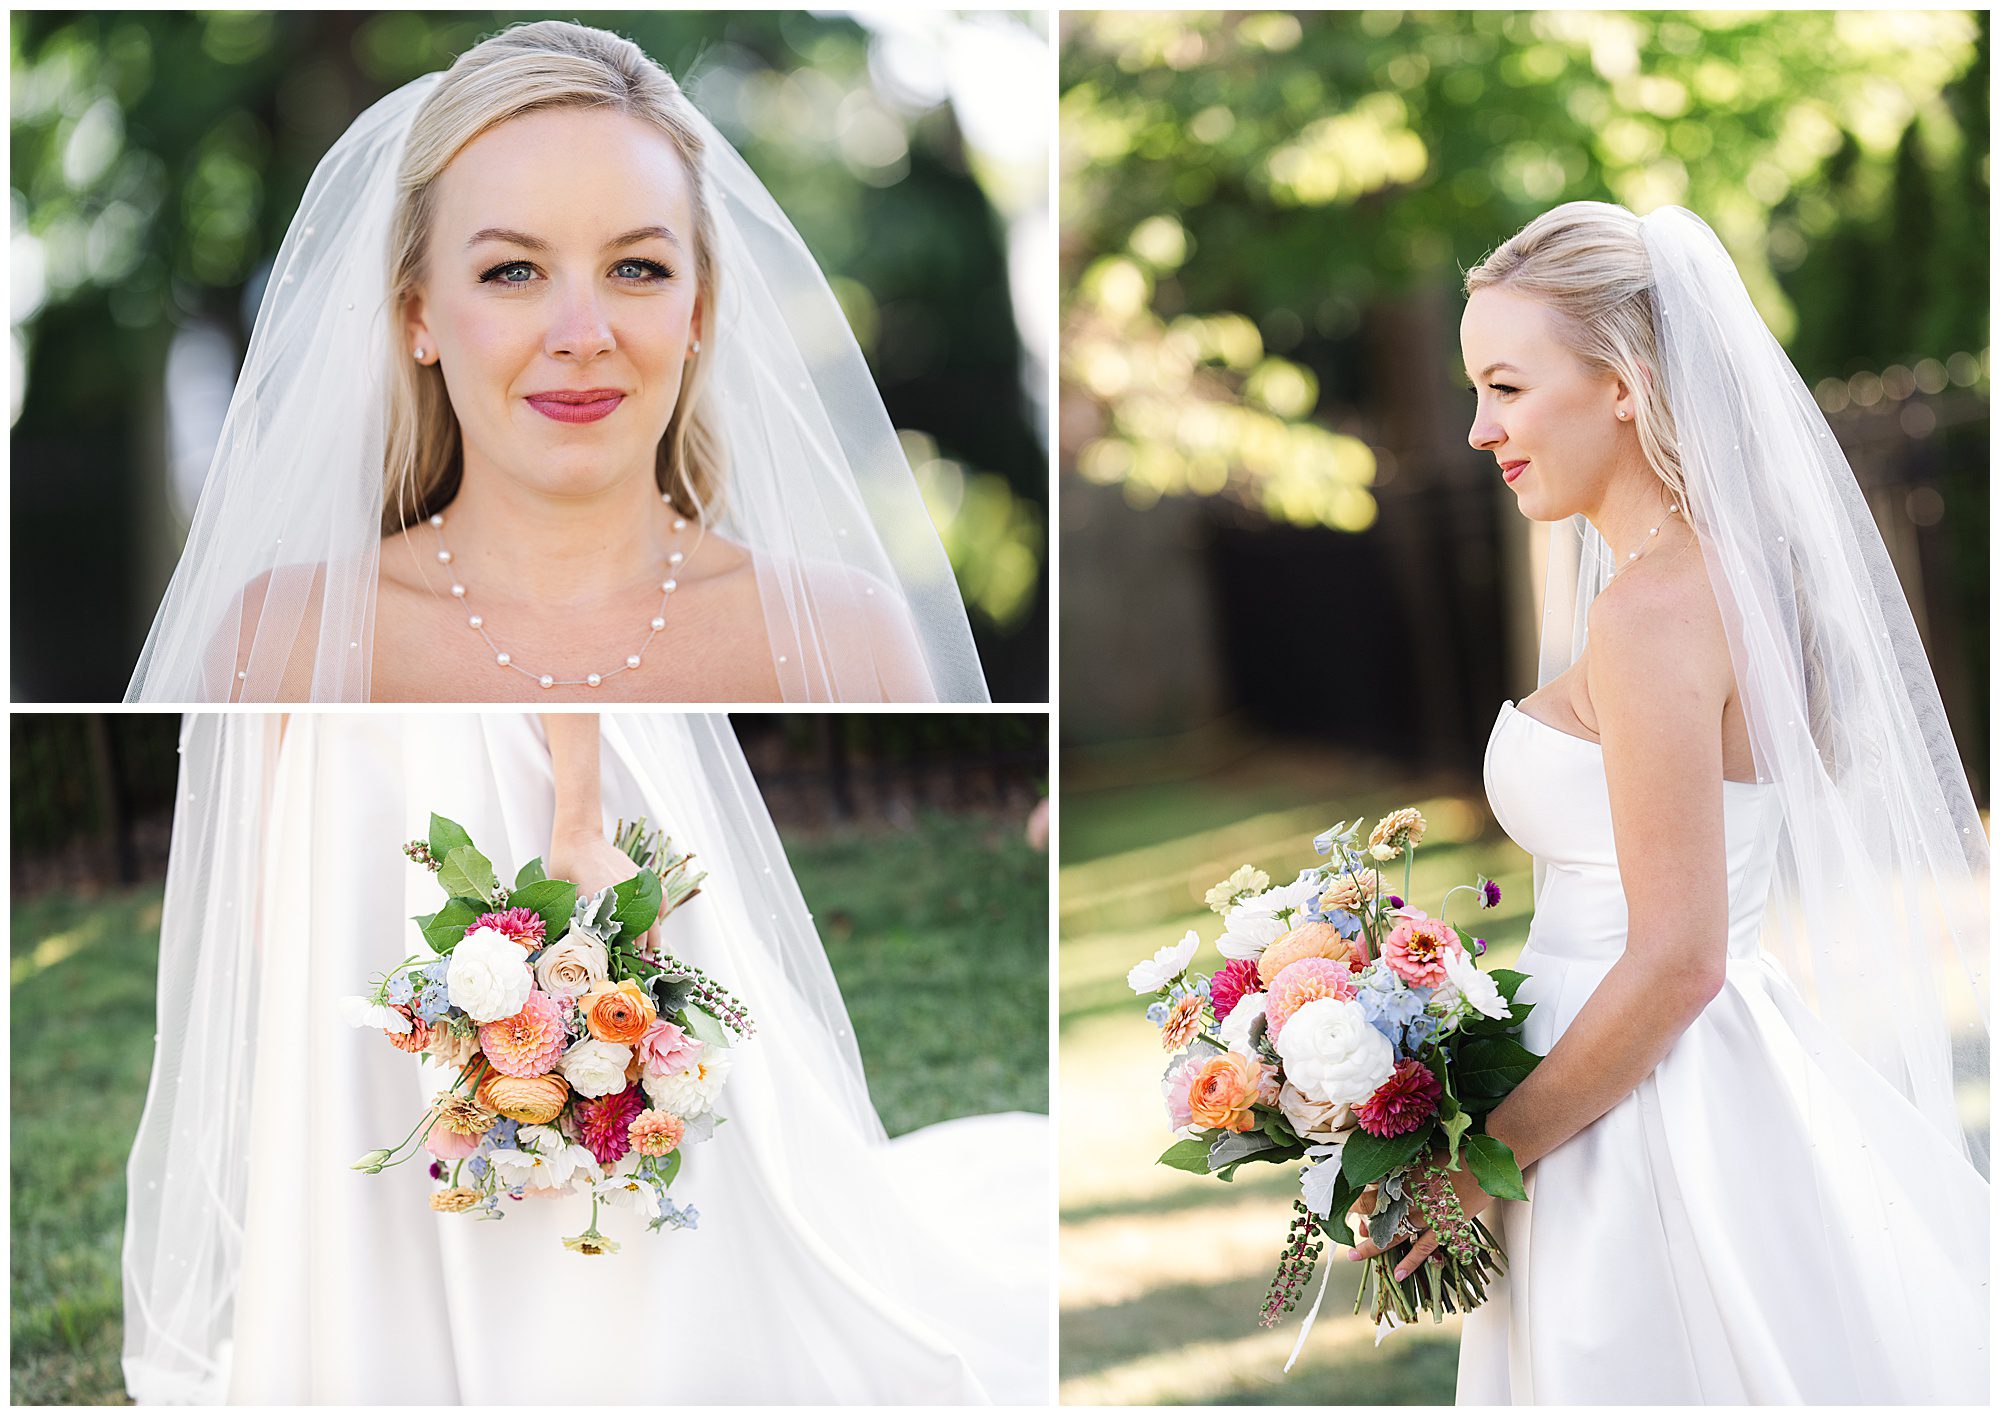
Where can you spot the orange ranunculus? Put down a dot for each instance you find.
(618, 1012)
(1311, 940)
(534, 1100)
(417, 1039)
(1224, 1090)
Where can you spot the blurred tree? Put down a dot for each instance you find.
(158, 156)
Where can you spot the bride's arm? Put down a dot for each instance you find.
(578, 849)
(1659, 679)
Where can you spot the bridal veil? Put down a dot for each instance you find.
(274, 596)
(1879, 907)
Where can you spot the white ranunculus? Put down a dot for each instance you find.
(1477, 987)
(595, 1068)
(1248, 931)
(572, 966)
(488, 976)
(1333, 1054)
(1235, 1029)
(692, 1090)
(359, 1012)
(1152, 975)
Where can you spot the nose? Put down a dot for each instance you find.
(1485, 430)
(579, 330)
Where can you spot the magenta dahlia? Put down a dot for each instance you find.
(603, 1124)
(1406, 1101)
(523, 926)
(1227, 987)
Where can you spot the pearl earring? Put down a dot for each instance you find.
(1623, 414)
(696, 347)
(420, 359)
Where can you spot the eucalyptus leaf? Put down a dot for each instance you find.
(553, 900)
(706, 1028)
(1383, 1220)
(638, 905)
(1190, 1155)
(1493, 1166)
(1366, 1159)
(467, 872)
(446, 836)
(443, 930)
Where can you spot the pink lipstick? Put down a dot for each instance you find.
(1510, 470)
(583, 405)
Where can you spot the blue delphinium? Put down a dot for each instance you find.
(432, 1003)
(501, 1133)
(1156, 1014)
(478, 1165)
(400, 990)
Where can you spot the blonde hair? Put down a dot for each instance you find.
(549, 64)
(1587, 262)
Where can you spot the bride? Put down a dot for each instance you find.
(1759, 913)
(547, 399)
(829, 1263)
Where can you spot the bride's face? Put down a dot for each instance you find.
(561, 262)
(1550, 422)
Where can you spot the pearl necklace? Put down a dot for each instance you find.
(1673, 509)
(632, 661)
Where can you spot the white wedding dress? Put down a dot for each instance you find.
(830, 1264)
(1763, 1220)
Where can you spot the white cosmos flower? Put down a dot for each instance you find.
(1477, 987)
(1152, 975)
(359, 1012)
(629, 1192)
(1235, 1029)
(1248, 931)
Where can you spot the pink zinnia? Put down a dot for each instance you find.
(1416, 948)
(656, 1132)
(1226, 989)
(666, 1048)
(604, 1123)
(1302, 981)
(1406, 1101)
(527, 1044)
(523, 926)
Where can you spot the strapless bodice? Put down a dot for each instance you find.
(1548, 792)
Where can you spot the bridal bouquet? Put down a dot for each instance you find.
(1354, 1032)
(578, 1060)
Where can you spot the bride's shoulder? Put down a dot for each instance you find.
(857, 629)
(271, 634)
(1666, 623)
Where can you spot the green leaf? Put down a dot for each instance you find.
(1233, 1146)
(636, 905)
(1508, 981)
(1481, 1026)
(1335, 1224)
(706, 1028)
(669, 1168)
(1191, 1156)
(1489, 1068)
(443, 930)
(1493, 1167)
(467, 872)
(1366, 1159)
(553, 900)
(1455, 1126)
(446, 837)
(530, 873)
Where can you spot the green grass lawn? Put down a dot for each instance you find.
(1163, 1273)
(938, 935)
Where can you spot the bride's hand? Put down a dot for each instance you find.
(1473, 1200)
(590, 860)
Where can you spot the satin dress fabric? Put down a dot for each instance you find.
(830, 1265)
(1763, 1219)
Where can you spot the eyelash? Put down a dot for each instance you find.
(657, 271)
(1497, 388)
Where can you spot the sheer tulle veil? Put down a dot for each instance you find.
(1879, 910)
(274, 595)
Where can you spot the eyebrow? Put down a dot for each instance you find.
(1487, 372)
(536, 243)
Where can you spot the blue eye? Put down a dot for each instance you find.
(649, 270)
(499, 272)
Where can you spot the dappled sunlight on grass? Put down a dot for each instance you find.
(1163, 1273)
